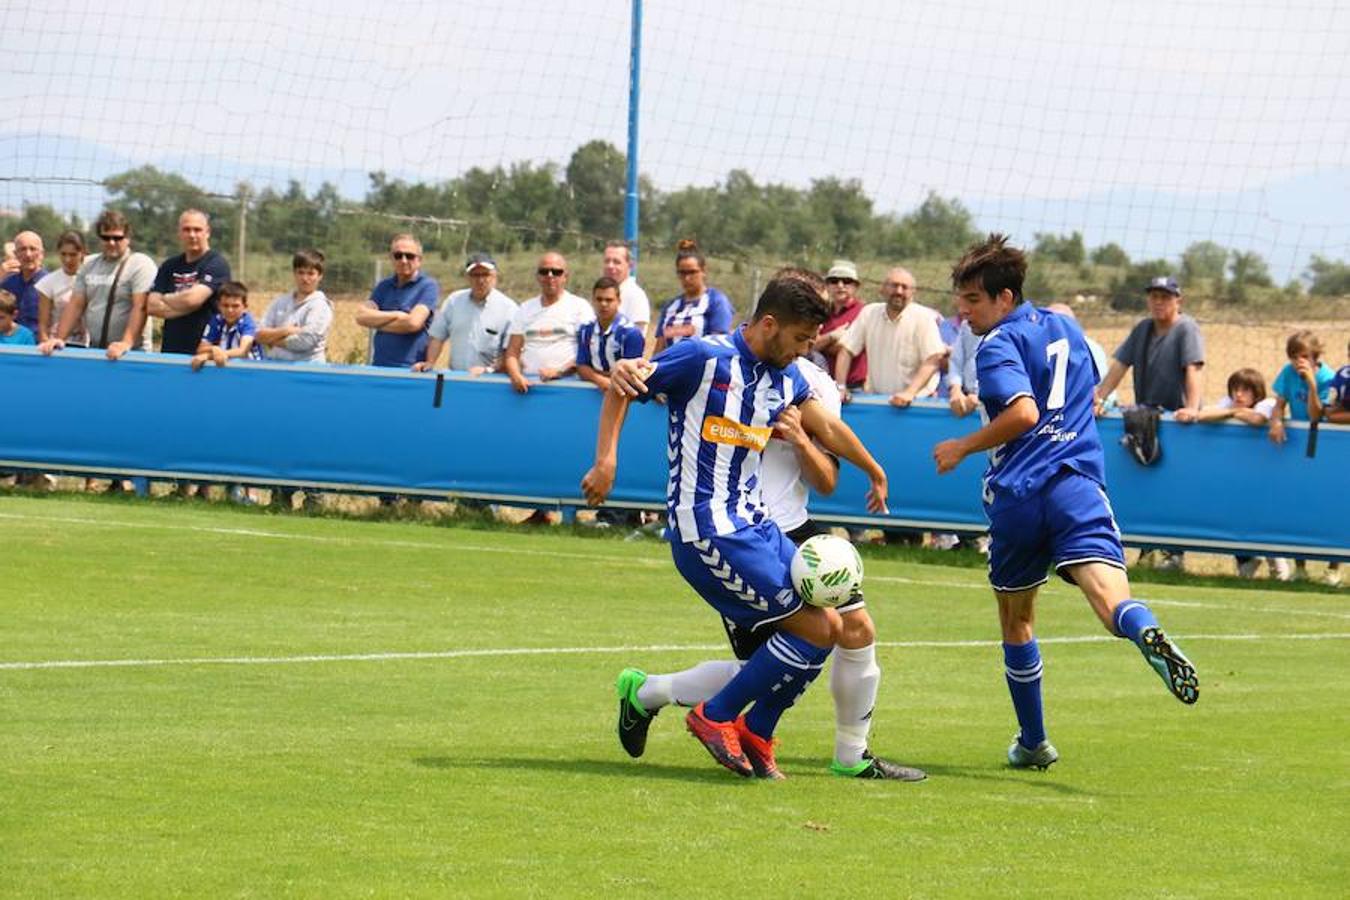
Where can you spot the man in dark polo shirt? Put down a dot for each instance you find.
(184, 293)
(400, 308)
(23, 283)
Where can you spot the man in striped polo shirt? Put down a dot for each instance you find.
(724, 394)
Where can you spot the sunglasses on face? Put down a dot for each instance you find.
(840, 281)
(112, 238)
(547, 272)
(401, 255)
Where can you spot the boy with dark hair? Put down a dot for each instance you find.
(11, 332)
(1044, 489)
(231, 333)
(608, 339)
(295, 327)
(724, 394)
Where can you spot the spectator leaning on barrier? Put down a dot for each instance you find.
(110, 294)
(23, 282)
(963, 387)
(11, 332)
(295, 327)
(400, 308)
(543, 333)
(473, 321)
(1303, 386)
(54, 289)
(634, 304)
(607, 339)
(1165, 351)
(699, 309)
(842, 283)
(1338, 410)
(184, 295)
(901, 339)
(231, 333)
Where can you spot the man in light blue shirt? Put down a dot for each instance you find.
(473, 321)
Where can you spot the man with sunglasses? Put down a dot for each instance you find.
(543, 333)
(117, 269)
(842, 283)
(400, 308)
(185, 290)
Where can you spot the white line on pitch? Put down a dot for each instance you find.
(576, 651)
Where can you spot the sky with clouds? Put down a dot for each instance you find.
(1147, 123)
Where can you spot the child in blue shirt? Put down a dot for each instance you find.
(232, 333)
(11, 332)
(1303, 387)
(610, 338)
(1338, 411)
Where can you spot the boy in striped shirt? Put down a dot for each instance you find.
(610, 338)
(724, 394)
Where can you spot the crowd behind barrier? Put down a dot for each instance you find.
(893, 353)
(362, 429)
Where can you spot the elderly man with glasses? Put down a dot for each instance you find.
(842, 281)
(400, 308)
(110, 294)
(543, 333)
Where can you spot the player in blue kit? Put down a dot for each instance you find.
(1044, 490)
(724, 394)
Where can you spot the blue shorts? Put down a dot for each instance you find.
(1068, 521)
(745, 576)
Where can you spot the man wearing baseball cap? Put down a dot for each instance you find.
(1165, 351)
(473, 321)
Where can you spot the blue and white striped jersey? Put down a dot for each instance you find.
(723, 401)
(602, 349)
(681, 318)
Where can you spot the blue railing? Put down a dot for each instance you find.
(354, 428)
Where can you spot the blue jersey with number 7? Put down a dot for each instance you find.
(1038, 354)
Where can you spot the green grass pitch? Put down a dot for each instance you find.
(328, 708)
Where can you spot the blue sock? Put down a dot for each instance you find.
(1131, 618)
(805, 660)
(1022, 668)
(784, 665)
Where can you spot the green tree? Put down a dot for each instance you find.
(1329, 277)
(937, 228)
(44, 221)
(1068, 249)
(1111, 255)
(597, 180)
(153, 200)
(1247, 271)
(844, 216)
(1203, 259)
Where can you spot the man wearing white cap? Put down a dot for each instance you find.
(842, 283)
(473, 321)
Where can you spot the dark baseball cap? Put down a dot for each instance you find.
(1164, 283)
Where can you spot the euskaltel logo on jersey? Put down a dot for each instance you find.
(721, 430)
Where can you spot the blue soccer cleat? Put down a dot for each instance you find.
(1171, 664)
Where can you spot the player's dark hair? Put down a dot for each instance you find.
(806, 275)
(687, 248)
(308, 259)
(792, 299)
(1303, 342)
(112, 220)
(70, 239)
(9, 304)
(1250, 379)
(603, 282)
(234, 289)
(994, 264)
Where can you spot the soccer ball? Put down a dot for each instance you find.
(826, 570)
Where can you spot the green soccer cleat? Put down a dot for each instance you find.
(1042, 756)
(1171, 665)
(877, 768)
(633, 719)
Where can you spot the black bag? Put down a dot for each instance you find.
(1141, 434)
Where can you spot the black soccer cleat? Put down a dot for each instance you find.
(633, 719)
(1171, 665)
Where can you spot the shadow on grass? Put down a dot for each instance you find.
(796, 768)
(606, 768)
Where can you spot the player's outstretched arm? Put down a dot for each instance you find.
(835, 436)
(1020, 416)
(599, 481)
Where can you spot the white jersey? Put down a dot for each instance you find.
(780, 474)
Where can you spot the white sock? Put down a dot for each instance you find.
(854, 676)
(688, 688)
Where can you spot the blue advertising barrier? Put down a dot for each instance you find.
(354, 428)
